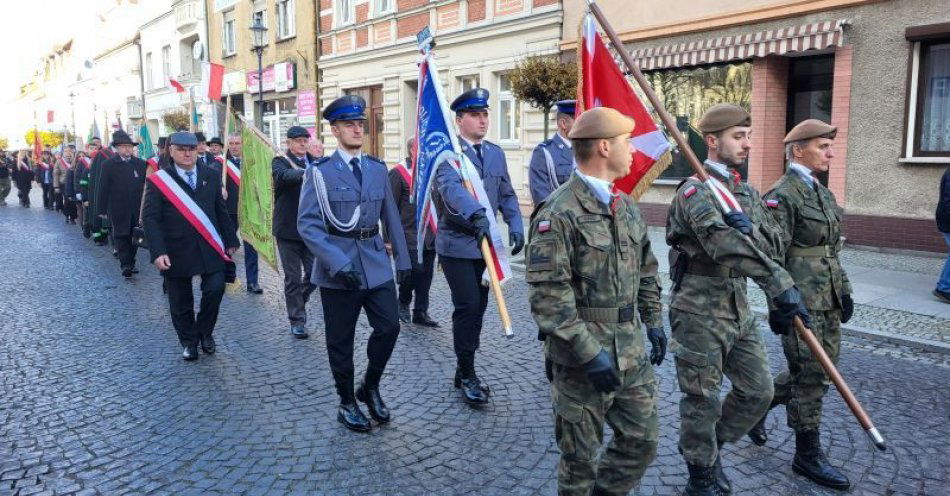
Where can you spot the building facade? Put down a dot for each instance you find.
(161, 61)
(879, 70)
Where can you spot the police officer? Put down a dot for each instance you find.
(120, 197)
(552, 160)
(463, 223)
(343, 200)
(810, 222)
(714, 330)
(295, 259)
(590, 268)
(232, 194)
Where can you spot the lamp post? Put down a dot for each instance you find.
(259, 33)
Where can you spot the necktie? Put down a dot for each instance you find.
(355, 163)
(478, 152)
(191, 178)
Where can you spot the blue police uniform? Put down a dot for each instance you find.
(457, 244)
(351, 266)
(553, 154)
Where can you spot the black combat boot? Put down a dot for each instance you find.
(702, 481)
(368, 393)
(473, 392)
(811, 462)
(349, 413)
(721, 480)
(757, 434)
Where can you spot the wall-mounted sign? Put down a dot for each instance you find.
(287, 78)
(307, 107)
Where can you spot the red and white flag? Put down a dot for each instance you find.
(190, 210)
(212, 77)
(602, 84)
(175, 85)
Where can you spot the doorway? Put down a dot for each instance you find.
(810, 81)
(373, 125)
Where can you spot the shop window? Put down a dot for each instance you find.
(278, 117)
(929, 112)
(688, 93)
(509, 112)
(286, 25)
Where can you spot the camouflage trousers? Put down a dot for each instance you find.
(579, 416)
(705, 348)
(802, 386)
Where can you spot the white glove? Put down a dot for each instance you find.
(78, 196)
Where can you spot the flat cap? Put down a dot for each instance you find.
(601, 122)
(810, 128)
(200, 137)
(723, 116)
(183, 138)
(473, 99)
(215, 141)
(345, 108)
(297, 132)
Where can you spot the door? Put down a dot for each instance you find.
(810, 81)
(373, 125)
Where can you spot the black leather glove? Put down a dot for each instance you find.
(847, 308)
(601, 373)
(739, 221)
(403, 275)
(788, 304)
(482, 227)
(657, 338)
(549, 370)
(352, 278)
(516, 240)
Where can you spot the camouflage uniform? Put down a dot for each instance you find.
(809, 219)
(714, 330)
(589, 270)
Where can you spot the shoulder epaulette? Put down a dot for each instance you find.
(320, 161)
(375, 159)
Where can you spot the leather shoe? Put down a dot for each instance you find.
(458, 382)
(254, 288)
(350, 415)
(757, 434)
(208, 345)
(374, 403)
(189, 352)
(127, 272)
(423, 319)
(299, 332)
(404, 313)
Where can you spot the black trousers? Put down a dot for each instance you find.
(470, 299)
(419, 282)
(126, 251)
(23, 193)
(181, 304)
(341, 309)
(47, 195)
(297, 262)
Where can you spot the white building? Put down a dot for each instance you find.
(161, 61)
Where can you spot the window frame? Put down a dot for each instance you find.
(377, 11)
(916, 90)
(515, 121)
(149, 74)
(462, 79)
(287, 22)
(166, 63)
(229, 18)
(338, 11)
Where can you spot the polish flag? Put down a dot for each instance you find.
(175, 85)
(212, 77)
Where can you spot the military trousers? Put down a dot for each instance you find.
(707, 348)
(579, 416)
(4, 189)
(802, 387)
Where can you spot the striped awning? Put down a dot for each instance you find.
(815, 36)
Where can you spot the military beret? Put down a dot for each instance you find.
(183, 138)
(723, 116)
(216, 141)
(297, 132)
(200, 137)
(345, 108)
(810, 128)
(601, 122)
(566, 106)
(473, 99)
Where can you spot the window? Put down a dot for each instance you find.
(344, 12)
(286, 26)
(383, 6)
(688, 93)
(468, 82)
(509, 112)
(930, 132)
(261, 14)
(229, 41)
(166, 63)
(149, 79)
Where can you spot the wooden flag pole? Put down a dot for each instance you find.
(863, 418)
(227, 124)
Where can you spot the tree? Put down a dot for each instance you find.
(543, 80)
(4, 144)
(176, 120)
(49, 139)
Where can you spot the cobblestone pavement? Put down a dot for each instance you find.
(95, 399)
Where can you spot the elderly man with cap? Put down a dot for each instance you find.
(586, 291)
(463, 223)
(295, 259)
(810, 222)
(120, 197)
(189, 234)
(345, 197)
(553, 160)
(714, 330)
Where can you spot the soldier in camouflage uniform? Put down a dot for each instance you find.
(809, 219)
(714, 330)
(591, 271)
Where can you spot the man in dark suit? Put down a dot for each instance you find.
(120, 197)
(233, 190)
(177, 247)
(295, 258)
(99, 230)
(205, 157)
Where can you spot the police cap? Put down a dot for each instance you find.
(345, 108)
(473, 99)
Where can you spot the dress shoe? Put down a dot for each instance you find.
(404, 314)
(350, 415)
(189, 352)
(702, 481)
(298, 331)
(423, 319)
(254, 288)
(127, 272)
(757, 434)
(86, 233)
(208, 345)
(458, 382)
(943, 296)
(810, 461)
(374, 403)
(467, 380)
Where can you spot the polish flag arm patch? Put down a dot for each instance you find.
(690, 191)
(544, 226)
(771, 203)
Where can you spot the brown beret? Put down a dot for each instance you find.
(810, 128)
(723, 116)
(601, 122)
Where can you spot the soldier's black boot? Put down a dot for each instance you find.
(810, 461)
(721, 480)
(757, 434)
(349, 413)
(465, 378)
(368, 393)
(702, 481)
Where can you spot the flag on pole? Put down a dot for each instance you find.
(49, 117)
(93, 131)
(37, 146)
(602, 84)
(256, 199)
(212, 77)
(146, 151)
(175, 85)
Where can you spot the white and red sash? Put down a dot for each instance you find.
(190, 210)
(65, 163)
(44, 166)
(86, 162)
(152, 162)
(233, 172)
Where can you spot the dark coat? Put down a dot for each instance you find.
(287, 181)
(120, 192)
(94, 178)
(23, 177)
(233, 189)
(407, 212)
(169, 233)
(943, 204)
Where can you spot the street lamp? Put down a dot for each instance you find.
(259, 33)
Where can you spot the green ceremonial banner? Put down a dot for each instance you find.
(256, 201)
(146, 149)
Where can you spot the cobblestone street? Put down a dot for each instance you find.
(96, 399)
